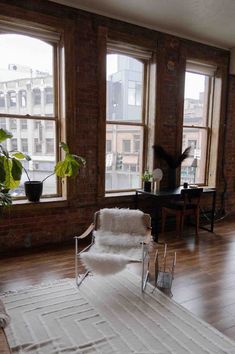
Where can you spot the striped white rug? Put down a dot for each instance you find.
(105, 315)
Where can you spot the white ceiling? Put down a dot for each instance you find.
(207, 21)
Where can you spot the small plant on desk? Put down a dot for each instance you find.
(147, 179)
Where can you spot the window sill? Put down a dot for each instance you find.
(119, 194)
(56, 202)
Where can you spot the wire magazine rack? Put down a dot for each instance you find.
(164, 271)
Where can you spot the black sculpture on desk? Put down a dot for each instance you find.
(173, 162)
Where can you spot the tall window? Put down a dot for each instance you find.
(125, 119)
(198, 98)
(29, 64)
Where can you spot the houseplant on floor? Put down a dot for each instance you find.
(68, 167)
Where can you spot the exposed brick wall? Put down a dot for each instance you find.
(37, 225)
(230, 147)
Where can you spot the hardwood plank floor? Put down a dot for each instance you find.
(204, 278)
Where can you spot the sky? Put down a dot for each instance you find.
(194, 83)
(23, 50)
(36, 54)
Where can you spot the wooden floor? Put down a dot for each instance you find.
(204, 278)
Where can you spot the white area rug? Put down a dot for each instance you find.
(105, 315)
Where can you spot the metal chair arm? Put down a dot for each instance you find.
(86, 233)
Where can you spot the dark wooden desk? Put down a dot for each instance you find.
(174, 193)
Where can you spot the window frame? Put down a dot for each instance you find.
(53, 38)
(209, 71)
(144, 56)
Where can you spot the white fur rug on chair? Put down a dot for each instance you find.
(117, 242)
(112, 252)
(122, 221)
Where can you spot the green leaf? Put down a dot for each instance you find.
(60, 168)
(16, 170)
(10, 183)
(4, 134)
(19, 155)
(68, 167)
(64, 147)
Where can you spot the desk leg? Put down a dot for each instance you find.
(136, 204)
(213, 211)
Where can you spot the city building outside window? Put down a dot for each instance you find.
(14, 145)
(125, 118)
(108, 146)
(24, 145)
(2, 100)
(48, 95)
(13, 124)
(23, 98)
(197, 122)
(23, 124)
(11, 95)
(136, 143)
(37, 146)
(37, 124)
(126, 146)
(36, 96)
(50, 146)
(33, 68)
(3, 124)
(134, 93)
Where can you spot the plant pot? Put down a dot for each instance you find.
(147, 186)
(33, 190)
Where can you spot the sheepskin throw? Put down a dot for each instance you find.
(117, 242)
(122, 221)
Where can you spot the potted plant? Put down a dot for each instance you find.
(68, 167)
(10, 169)
(147, 178)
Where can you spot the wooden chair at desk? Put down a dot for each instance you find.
(188, 205)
